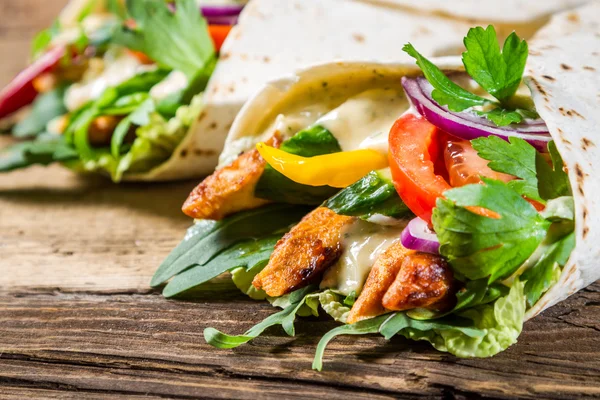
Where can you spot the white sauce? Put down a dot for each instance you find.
(117, 67)
(362, 243)
(289, 124)
(364, 121)
(174, 82)
(234, 149)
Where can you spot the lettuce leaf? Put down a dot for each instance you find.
(333, 304)
(156, 141)
(493, 327)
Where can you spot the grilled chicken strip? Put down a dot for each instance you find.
(302, 255)
(370, 302)
(229, 189)
(424, 281)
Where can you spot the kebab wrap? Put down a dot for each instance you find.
(447, 201)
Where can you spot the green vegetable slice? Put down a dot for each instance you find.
(371, 195)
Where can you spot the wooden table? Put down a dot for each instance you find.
(78, 320)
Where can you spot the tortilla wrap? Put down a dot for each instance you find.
(508, 12)
(563, 74)
(564, 84)
(276, 37)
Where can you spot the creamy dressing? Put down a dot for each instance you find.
(116, 67)
(364, 121)
(362, 243)
(289, 124)
(173, 83)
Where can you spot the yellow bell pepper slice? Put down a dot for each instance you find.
(337, 169)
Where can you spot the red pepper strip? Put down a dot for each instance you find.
(20, 91)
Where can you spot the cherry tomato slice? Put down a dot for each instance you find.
(414, 149)
(464, 165)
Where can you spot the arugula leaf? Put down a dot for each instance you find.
(206, 239)
(360, 328)
(285, 318)
(547, 270)
(45, 150)
(310, 142)
(553, 181)
(502, 117)
(499, 73)
(515, 157)
(246, 254)
(483, 247)
(446, 92)
(178, 40)
(46, 107)
(373, 194)
(140, 117)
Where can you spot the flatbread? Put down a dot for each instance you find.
(563, 73)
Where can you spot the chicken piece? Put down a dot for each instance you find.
(229, 189)
(425, 281)
(302, 255)
(382, 275)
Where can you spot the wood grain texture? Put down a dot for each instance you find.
(78, 320)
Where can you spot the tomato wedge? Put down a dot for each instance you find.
(415, 148)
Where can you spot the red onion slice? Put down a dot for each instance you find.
(418, 236)
(466, 125)
(222, 10)
(20, 91)
(223, 20)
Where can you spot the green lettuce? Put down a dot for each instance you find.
(156, 142)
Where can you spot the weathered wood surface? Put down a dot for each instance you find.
(77, 319)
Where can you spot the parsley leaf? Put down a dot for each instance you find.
(446, 92)
(516, 157)
(501, 116)
(479, 247)
(499, 73)
(553, 181)
(179, 40)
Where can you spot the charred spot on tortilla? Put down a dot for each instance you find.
(549, 78)
(573, 17)
(266, 59)
(585, 143)
(204, 153)
(224, 56)
(213, 125)
(579, 171)
(565, 67)
(588, 68)
(183, 153)
(586, 230)
(360, 38)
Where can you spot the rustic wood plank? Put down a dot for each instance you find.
(20, 21)
(85, 233)
(145, 344)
